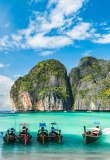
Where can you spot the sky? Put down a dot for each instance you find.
(35, 30)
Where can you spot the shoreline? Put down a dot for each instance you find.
(71, 111)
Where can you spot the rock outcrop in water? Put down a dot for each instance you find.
(90, 83)
(48, 88)
(45, 88)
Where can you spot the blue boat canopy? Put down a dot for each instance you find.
(42, 124)
(96, 123)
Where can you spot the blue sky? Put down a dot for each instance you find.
(36, 30)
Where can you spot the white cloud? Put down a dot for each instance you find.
(80, 32)
(66, 7)
(52, 28)
(103, 24)
(17, 38)
(79, 19)
(1, 65)
(103, 39)
(4, 65)
(46, 53)
(107, 28)
(63, 12)
(5, 86)
(40, 41)
(4, 41)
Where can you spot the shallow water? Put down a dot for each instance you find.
(72, 146)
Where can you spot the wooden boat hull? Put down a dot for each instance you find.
(10, 138)
(55, 137)
(42, 138)
(21, 139)
(89, 139)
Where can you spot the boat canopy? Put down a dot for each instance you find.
(54, 126)
(42, 124)
(96, 123)
(53, 123)
(96, 129)
(24, 124)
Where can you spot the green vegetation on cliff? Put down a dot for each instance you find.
(47, 86)
(92, 83)
(46, 76)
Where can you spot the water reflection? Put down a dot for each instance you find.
(71, 148)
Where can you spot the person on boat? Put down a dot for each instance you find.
(52, 129)
(44, 131)
(12, 131)
(97, 126)
(23, 131)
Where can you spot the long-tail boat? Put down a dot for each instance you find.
(10, 136)
(92, 134)
(55, 133)
(42, 135)
(24, 135)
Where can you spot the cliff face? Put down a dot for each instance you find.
(90, 83)
(46, 87)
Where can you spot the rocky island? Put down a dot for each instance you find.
(90, 83)
(47, 87)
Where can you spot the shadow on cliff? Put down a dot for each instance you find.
(71, 98)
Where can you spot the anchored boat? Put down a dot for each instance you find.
(92, 134)
(42, 135)
(10, 136)
(55, 133)
(24, 135)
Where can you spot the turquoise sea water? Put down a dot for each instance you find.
(72, 146)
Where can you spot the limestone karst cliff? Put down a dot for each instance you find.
(47, 87)
(90, 83)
